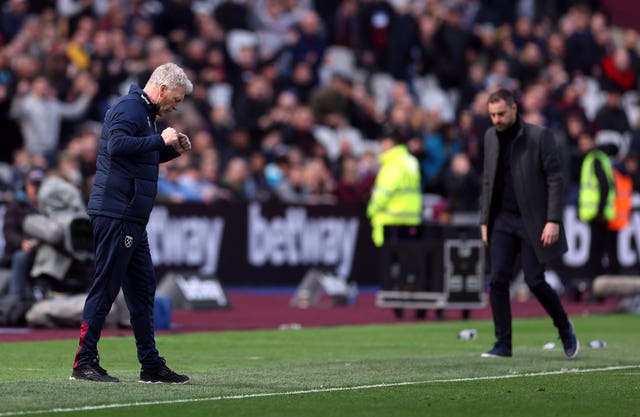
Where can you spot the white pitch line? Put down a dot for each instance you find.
(316, 390)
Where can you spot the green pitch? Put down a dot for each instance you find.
(392, 370)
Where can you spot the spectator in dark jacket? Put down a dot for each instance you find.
(310, 43)
(19, 251)
(462, 184)
(404, 43)
(452, 41)
(582, 52)
(375, 19)
(611, 115)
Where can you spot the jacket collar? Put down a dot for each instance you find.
(392, 153)
(152, 109)
(512, 131)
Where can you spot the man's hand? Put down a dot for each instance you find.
(483, 233)
(550, 234)
(183, 144)
(170, 136)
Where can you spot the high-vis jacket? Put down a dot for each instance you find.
(623, 204)
(396, 198)
(589, 199)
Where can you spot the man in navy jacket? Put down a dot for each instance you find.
(124, 190)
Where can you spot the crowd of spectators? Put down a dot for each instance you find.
(292, 96)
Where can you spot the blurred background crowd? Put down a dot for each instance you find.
(291, 97)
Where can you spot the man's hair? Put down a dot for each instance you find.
(391, 132)
(172, 76)
(502, 95)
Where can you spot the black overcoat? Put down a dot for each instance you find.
(538, 184)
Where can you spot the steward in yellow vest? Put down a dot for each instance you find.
(396, 199)
(596, 207)
(597, 188)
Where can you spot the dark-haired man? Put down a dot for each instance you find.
(521, 214)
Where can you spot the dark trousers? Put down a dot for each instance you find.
(507, 240)
(123, 260)
(21, 264)
(603, 242)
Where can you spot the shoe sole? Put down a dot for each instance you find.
(74, 378)
(491, 355)
(163, 382)
(576, 352)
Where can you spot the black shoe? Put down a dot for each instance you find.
(92, 371)
(570, 342)
(161, 375)
(498, 351)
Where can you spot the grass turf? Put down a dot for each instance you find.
(402, 369)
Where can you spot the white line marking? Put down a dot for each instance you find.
(316, 390)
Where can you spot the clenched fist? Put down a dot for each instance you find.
(170, 136)
(183, 144)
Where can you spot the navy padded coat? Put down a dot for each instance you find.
(129, 153)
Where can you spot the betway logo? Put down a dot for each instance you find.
(294, 239)
(186, 241)
(195, 289)
(579, 240)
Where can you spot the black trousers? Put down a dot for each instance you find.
(603, 242)
(508, 240)
(123, 260)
